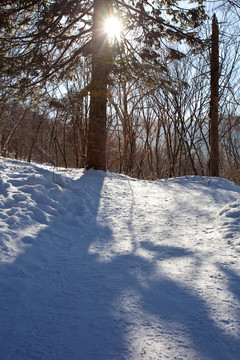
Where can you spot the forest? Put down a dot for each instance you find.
(140, 102)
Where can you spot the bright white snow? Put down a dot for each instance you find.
(99, 266)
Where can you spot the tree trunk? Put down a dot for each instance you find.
(97, 133)
(214, 141)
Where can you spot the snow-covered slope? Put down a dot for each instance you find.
(99, 266)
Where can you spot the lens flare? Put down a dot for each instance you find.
(113, 28)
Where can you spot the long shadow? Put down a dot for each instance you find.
(173, 303)
(60, 301)
(233, 283)
(54, 301)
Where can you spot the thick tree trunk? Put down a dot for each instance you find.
(214, 141)
(97, 135)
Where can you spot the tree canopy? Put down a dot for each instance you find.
(42, 39)
(45, 40)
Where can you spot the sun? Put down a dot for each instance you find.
(113, 28)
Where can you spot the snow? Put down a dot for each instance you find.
(100, 266)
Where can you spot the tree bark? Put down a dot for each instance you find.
(214, 140)
(97, 133)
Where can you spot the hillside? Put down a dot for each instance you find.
(100, 266)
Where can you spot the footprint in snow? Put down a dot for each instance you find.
(27, 240)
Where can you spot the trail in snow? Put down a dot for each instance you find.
(99, 266)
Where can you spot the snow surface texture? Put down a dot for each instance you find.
(99, 266)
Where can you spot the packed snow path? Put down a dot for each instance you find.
(99, 266)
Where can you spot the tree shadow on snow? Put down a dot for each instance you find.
(60, 301)
(173, 303)
(233, 283)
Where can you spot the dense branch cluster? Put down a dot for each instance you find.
(40, 39)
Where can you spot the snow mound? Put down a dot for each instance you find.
(229, 223)
(30, 197)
